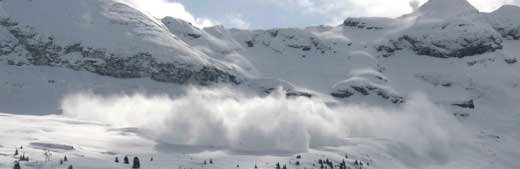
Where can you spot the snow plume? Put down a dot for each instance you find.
(163, 8)
(414, 4)
(226, 118)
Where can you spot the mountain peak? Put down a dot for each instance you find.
(444, 9)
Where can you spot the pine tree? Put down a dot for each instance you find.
(70, 167)
(17, 165)
(284, 167)
(125, 160)
(116, 160)
(65, 159)
(331, 165)
(61, 162)
(205, 162)
(210, 161)
(278, 166)
(16, 152)
(343, 165)
(136, 164)
(297, 163)
(256, 167)
(151, 158)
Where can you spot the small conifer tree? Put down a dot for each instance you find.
(136, 163)
(17, 165)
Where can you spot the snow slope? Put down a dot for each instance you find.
(110, 70)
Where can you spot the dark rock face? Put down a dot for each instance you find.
(193, 35)
(469, 47)
(504, 21)
(302, 47)
(250, 44)
(467, 104)
(342, 94)
(451, 39)
(290, 93)
(360, 24)
(435, 80)
(367, 90)
(45, 52)
(511, 61)
(174, 73)
(509, 33)
(298, 94)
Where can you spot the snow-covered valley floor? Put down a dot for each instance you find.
(96, 145)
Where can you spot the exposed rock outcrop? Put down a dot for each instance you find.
(450, 39)
(44, 51)
(363, 87)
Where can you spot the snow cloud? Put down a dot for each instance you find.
(226, 118)
(163, 8)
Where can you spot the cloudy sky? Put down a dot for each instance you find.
(260, 14)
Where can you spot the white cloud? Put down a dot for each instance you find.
(163, 8)
(338, 10)
(490, 5)
(237, 21)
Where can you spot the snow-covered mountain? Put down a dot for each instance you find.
(463, 60)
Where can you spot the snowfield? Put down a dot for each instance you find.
(96, 80)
